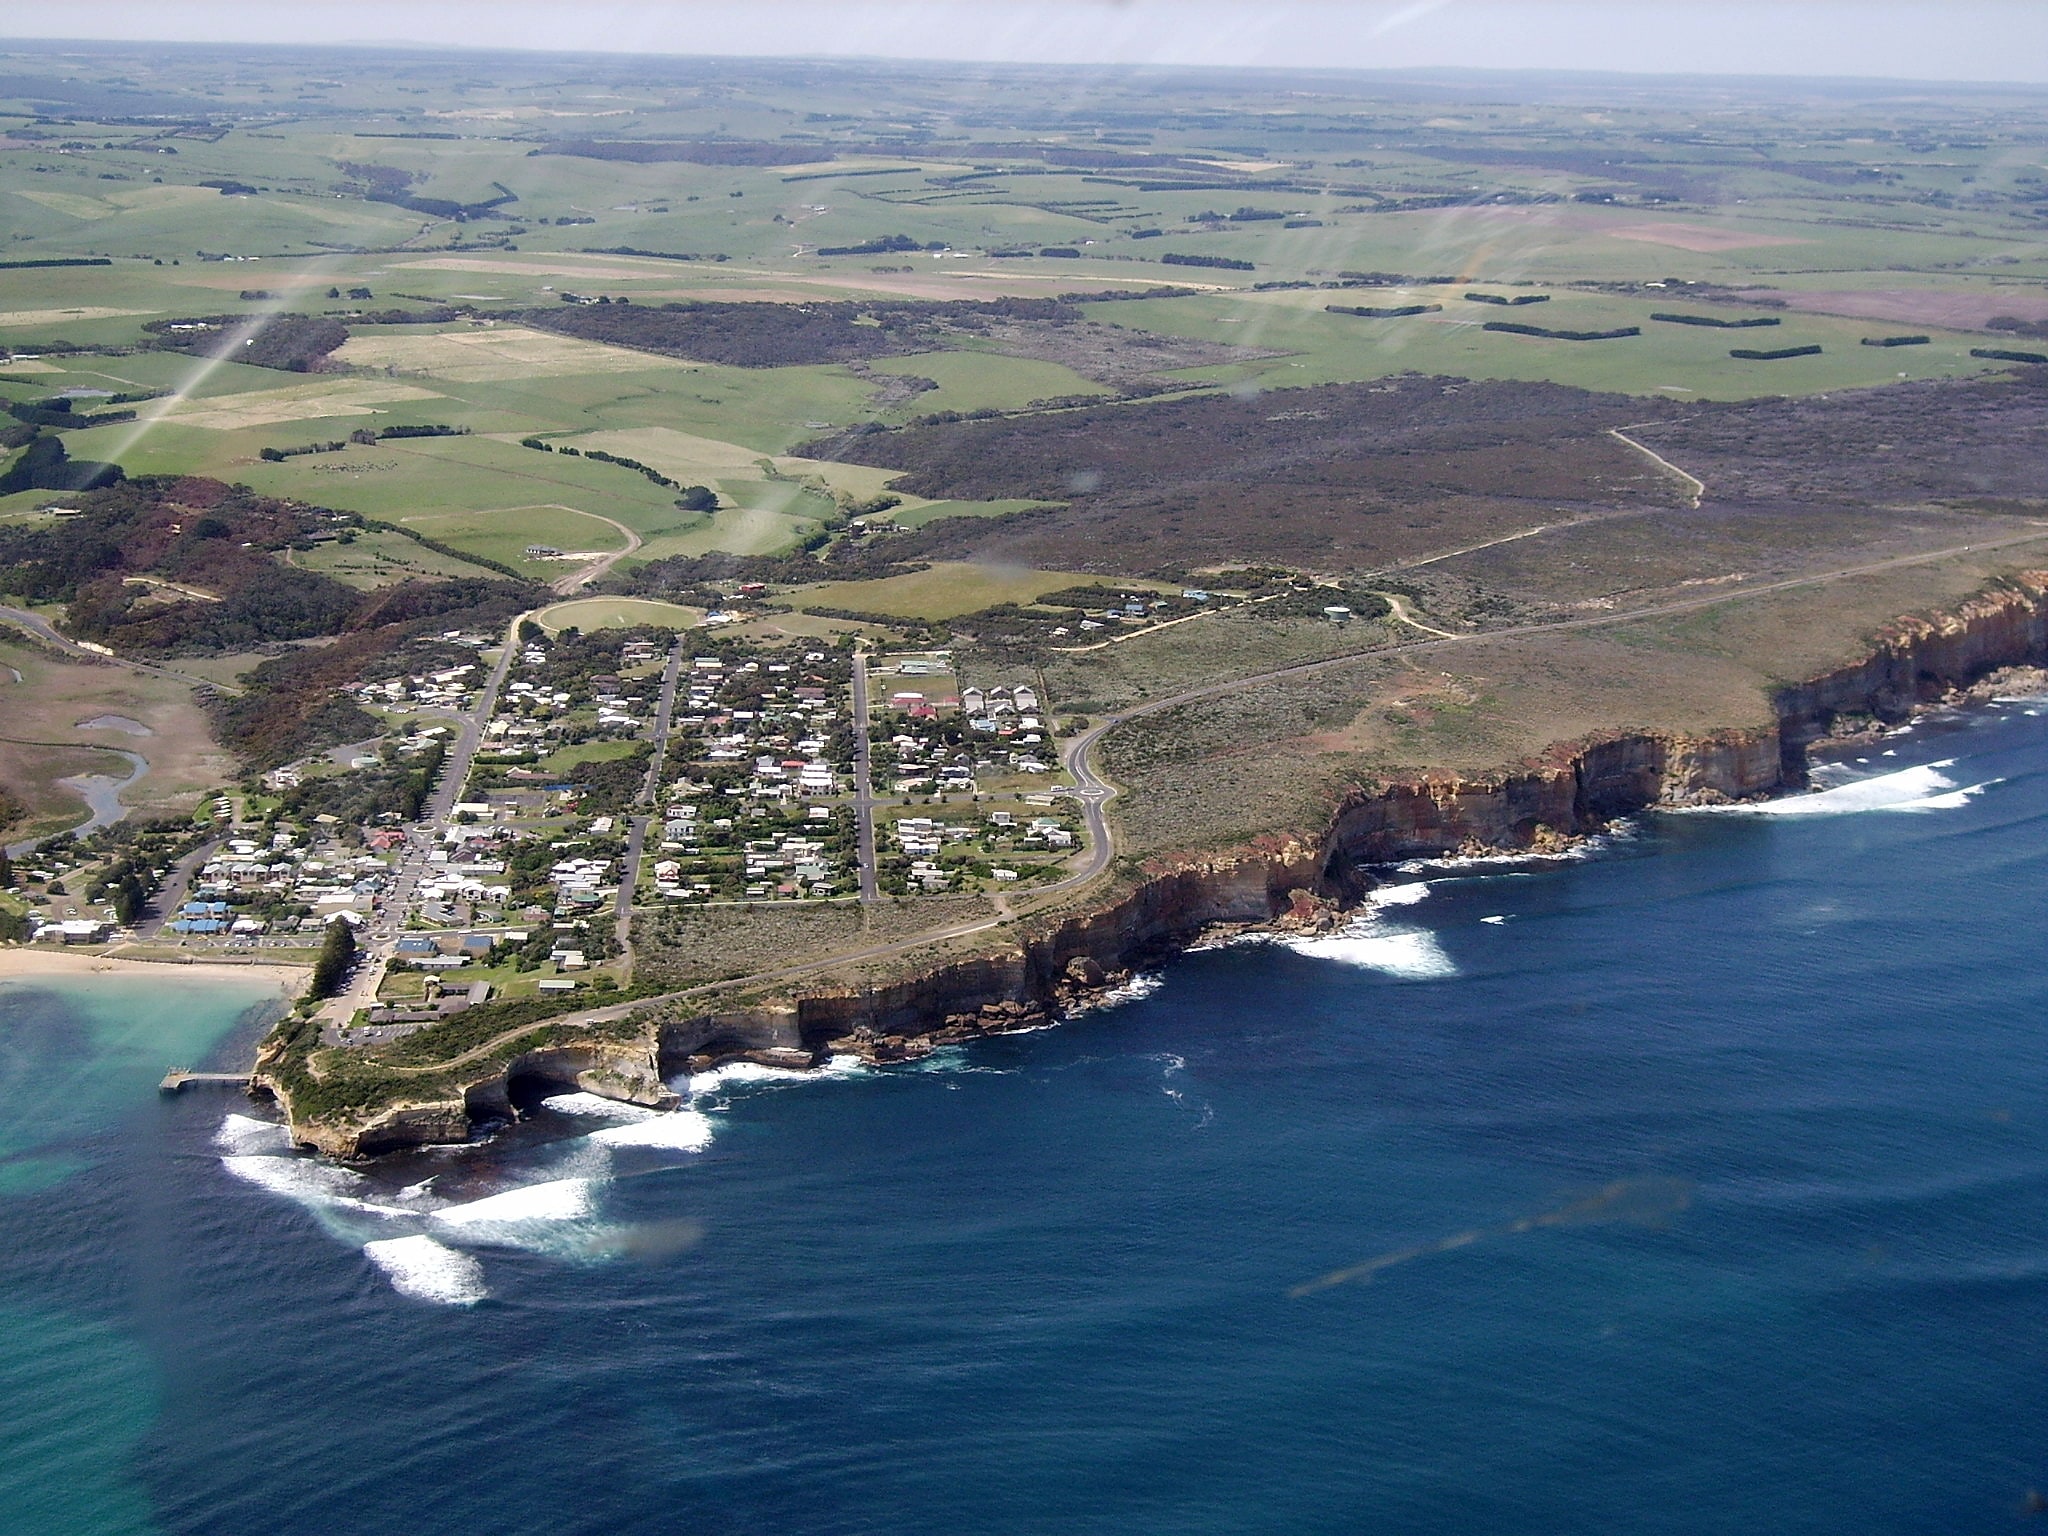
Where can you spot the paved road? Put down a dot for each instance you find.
(864, 783)
(636, 834)
(171, 894)
(380, 935)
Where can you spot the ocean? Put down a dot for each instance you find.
(1697, 1183)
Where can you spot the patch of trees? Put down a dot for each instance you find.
(1749, 322)
(881, 245)
(1390, 312)
(1242, 216)
(57, 261)
(2013, 325)
(1390, 280)
(781, 335)
(299, 702)
(59, 413)
(279, 455)
(2003, 355)
(1511, 301)
(1772, 355)
(1895, 341)
(293, 343)
(1514, 329)
(634, 250)
(610, 786)
(361, 795)
(337, 954)
(230, 188)
(1228, 263)
(45, 466)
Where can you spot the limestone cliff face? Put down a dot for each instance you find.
(626, 1070)
(1574, 789)
(1919, 659)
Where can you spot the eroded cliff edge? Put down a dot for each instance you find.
(1284, 880)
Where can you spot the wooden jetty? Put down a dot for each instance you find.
(178, 1079)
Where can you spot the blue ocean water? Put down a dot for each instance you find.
(1698, 1185)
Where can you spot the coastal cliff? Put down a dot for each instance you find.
(1282, 881)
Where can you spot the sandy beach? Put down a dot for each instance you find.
(32, 962)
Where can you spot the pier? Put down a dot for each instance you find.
(178, 1079)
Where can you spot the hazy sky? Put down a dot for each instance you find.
(1911, 39)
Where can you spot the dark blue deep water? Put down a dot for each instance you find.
(1707, 1192)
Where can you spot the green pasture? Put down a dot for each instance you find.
(377, 559)
(504, 534)
(1677, 361)
(972, 381)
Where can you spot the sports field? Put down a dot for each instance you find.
(590, 613)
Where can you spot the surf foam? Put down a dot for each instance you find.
(1404, 954)
(1926, 787)
(426, 1270)
(554, 1200)
(681, 1130)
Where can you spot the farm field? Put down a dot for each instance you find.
(1035, 339)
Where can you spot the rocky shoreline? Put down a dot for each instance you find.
(1282, 883)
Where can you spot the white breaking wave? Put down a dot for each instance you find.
(1496, 921)
(1406, 894)
(596, 1104)
(683, 1130)
(1405, 954)
(243, 1135)
(1139, 987)
(555, 1200)
(320, 1187)
(425, 1270)
(1923, 788)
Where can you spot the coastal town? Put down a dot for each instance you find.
(519, 808)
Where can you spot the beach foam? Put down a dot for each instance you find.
(425, 1270)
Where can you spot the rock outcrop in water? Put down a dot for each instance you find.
(1295, 882)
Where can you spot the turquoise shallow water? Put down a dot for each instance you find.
(79, 1062)
(1701, 1185)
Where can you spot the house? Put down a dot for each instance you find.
(78, 930)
